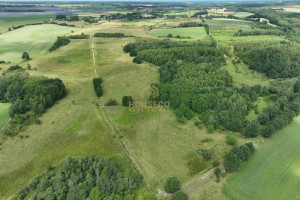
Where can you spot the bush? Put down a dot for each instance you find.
(25, 56)
(137, 60)
(97, 86)
(231, 162)
(118, 35)
(206, 154)
(268, 131)
(210, 129)
(172, 185)
(218, 172)
(111, 102)
(250, 146)
(126, 100)
(230, 140)
(252, 129)
(180, 196)
(216, 163)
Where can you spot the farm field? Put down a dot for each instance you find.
(243, 14)
(273, 172)
(193, 32)
(228, 23)
(7, 22)
(3, 114)
(35, 39)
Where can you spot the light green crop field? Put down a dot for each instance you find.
(193, 32)
(65, 129)
(6, 22)
(188, 13)
(228, 23)
(35, 39)
(3, 114)
(243, 14)
(273, 172)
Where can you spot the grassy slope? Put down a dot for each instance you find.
(193, 32)
(3, 114)
(273, 172)
(36, 40)
(66, 129)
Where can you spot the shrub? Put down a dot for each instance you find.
(250, 146)
(25, 56)
(252, 129)
(216, 163)
(263, 118)
(180, 196)
(111, 102)
(230, 140)
(206, 154)
(97, 86)
(126, 100)
(231, 162)
(172, 185)
(218, 172)
(210, 128)
(137, 60)
(268, 131)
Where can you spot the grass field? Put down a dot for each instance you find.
(243, 14)
(6, 22)
(193, 32)
(228, 23)
(65, 129)
(273, 172)
(36, 40)
(3, 114)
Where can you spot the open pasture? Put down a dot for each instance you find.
(273, 172)
(35, 39)
(3, 114)
(192, 32)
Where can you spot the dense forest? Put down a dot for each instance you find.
(275, 60)
(29, 96)
(92, 178)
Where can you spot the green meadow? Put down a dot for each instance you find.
(192, 32)
(228, 23)
(3, 114)
(35, 39)
(7, 22)
(273, 172)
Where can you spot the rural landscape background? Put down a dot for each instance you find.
(79, 119)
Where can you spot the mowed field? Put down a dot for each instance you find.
(35, 39)
(66, 129)
(3, 114)
(273, 172)
(193, 32)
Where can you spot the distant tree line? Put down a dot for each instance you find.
(79, 37)
(118, 35)
(92, 178)
(256, 32)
